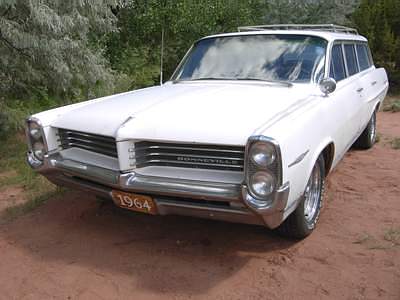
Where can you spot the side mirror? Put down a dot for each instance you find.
(327, 85)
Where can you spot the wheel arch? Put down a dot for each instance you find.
(327, 150)
(328, 153)
(378, 106)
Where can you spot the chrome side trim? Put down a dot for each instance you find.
(298, 159)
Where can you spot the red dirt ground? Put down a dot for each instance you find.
(75, 247)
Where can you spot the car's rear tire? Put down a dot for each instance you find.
(304, 219)
(368, 137)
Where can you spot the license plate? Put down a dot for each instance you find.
(140, 203)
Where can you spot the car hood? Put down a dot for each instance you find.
(217, 113)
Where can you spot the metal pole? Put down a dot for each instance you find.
(162, 56)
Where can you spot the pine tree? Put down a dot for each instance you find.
(379, 21)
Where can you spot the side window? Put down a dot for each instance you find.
(363, 56)
(350, 55)
(337, 63)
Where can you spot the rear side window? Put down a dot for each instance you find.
(363, 56)
(350, 55)
(337, 63)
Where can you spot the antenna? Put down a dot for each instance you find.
(162, 56)
(162, 41)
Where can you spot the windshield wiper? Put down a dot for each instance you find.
(202, 78)
(279, 82)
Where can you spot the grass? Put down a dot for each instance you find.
(390, 239)
(378, 137)
(13, 212)
(392, 235)
(362, 238)
(16, 172)
(392, 104)
(395, 143)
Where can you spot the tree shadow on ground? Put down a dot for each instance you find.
(180, 254)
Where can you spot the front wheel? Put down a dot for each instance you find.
(304, 219)
(368, 137)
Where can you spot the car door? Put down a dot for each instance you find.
(369, 81)
(347, 98)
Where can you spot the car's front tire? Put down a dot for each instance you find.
(368, 137)
(304, 219)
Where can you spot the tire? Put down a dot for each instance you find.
(368, 137)
(303, 220)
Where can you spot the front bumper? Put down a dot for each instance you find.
(213, 200)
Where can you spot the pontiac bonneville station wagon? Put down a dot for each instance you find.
(246, 129)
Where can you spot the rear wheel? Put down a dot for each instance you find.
(368, 137)
(304, 219)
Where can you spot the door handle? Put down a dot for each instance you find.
(373, 82)
(360, 90)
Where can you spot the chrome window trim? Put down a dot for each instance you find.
(353, 43)
(343, 60)
(312, 80)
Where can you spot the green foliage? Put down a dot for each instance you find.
(393, 104)
(379, 20)
(53, 46)
(309, 11)
(13, 112)
(135, 48)
(15, 172)
(395, 143)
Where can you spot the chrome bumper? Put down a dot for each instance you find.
(222, 201)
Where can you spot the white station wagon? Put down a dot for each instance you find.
(246, 130)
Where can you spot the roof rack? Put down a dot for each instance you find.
(316, 27)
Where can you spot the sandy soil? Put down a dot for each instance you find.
(76, 247)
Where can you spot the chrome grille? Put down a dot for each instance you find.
(199, 156)
(92, 142)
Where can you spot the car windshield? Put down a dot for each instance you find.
(273, 58)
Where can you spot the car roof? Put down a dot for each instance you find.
(327, 35)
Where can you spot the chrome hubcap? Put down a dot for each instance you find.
(312, 194)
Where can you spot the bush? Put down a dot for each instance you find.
(13, 112)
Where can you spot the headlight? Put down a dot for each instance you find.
(35, 131)
(263, 169)
(36, 139)
(262, 154)
(262, 184)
